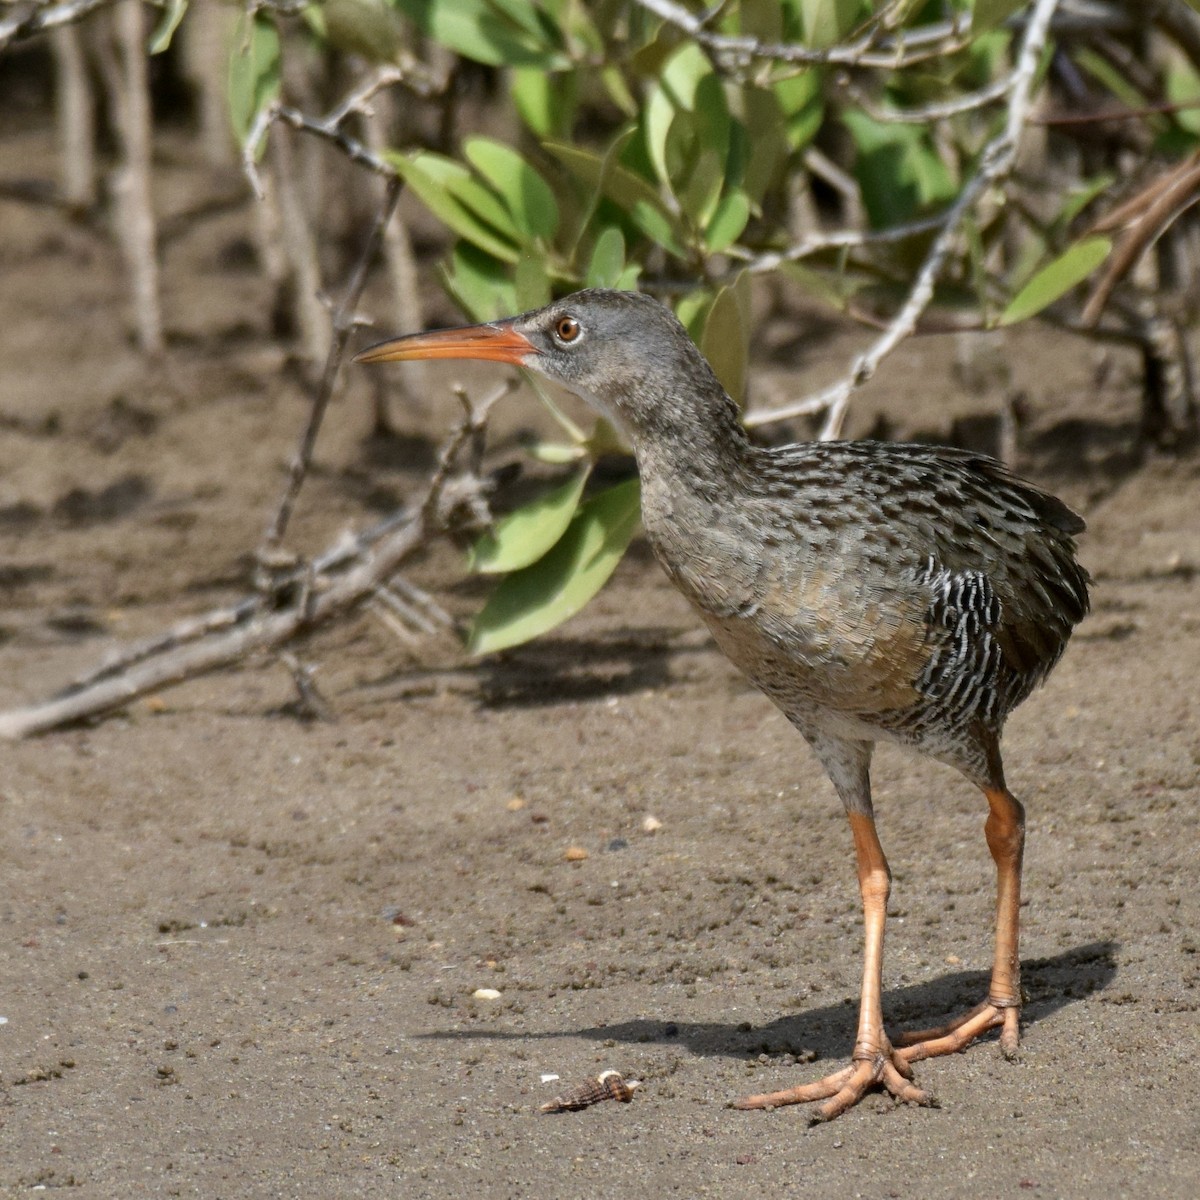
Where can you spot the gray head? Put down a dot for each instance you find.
(623, 353)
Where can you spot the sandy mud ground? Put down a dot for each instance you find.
(239, 950)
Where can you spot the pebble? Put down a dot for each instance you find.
(651, 825)
(485, 994)
(575, 854)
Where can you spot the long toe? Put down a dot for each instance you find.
(845, 1088)
(956, 1035)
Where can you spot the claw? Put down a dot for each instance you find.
(845, 1088)
(957, 1034)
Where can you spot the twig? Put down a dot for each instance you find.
(1104, 115)
(926, 113)
(343, 320)
(1147, 216)
(30, 20)
(265, 628)
(841, 239)
(193, 629)
(995, 163)
(129, 91)
(870, 50)
(298, 242)
(350, 146)
(309, 702)
(75, 116)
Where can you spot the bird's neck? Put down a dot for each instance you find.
(691, 443)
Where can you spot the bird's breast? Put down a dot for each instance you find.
(803, 622)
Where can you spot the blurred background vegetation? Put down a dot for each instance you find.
(912, 165)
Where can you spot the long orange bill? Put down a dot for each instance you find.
(495, 343)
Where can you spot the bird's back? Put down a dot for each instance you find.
(918, 591)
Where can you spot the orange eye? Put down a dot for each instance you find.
(567, 329)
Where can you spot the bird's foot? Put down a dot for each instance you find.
(885, 1069)
(957, 1034)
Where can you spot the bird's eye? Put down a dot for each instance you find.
(567, 329)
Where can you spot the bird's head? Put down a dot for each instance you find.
(623, 353)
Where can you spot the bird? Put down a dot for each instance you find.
(907, 593)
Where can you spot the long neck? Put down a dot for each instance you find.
(686, 430)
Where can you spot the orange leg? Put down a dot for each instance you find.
(874, 1062)
(1005, 830)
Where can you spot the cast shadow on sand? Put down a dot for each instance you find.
(558, 670)
(826, 1031)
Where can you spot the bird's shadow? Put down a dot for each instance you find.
(827, 1031)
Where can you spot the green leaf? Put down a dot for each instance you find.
(726, 340)
(675, 93)
(802, 100)
(173, 11)
(836, 291)
(692, 310)
(1183, 87)
(532, 281)
(545, 102)
(987, 14)
(525, 535)
(763, 130)
(460, 202)
(1110, 77)
(761, 19)
(627, 280)
(369, 28)
(898, 169)
(1081, 193)
(526, 195)
(826, 22)
(555, 454)
(500, 33)
(481, 285)
(253, 71)
(632, 193)
(701, 194)
(1057, 278)
(537, 598)
(608, 259)
(728, 221)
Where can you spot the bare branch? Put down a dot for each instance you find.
(411, 73)
(31, 19)
(1145, 218)
(925, 113)
(870, 50)
(230, 635)
(995, 164)
(128, 82)
(841, 239)
(343, 322)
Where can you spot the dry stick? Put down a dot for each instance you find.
(1166, 207)
(300, 249)
(75, 115)
(896, 50)
(270, 629)
(129, 86)
(193, 629)
(26, 23)
(224, 649)
(399, 259)
(205, 59)
(343, 323)
(996, 162)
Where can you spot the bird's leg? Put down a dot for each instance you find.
(873, 1063)
(1005, 831)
